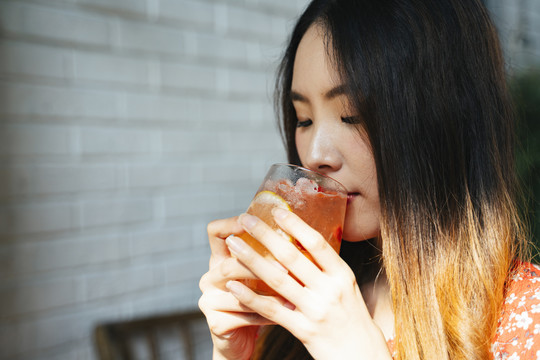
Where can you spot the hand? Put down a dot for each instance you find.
(329, 315)
(233, 326)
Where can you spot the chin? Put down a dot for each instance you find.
(355, 238)
(360, 232)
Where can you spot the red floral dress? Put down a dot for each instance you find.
(518, 328)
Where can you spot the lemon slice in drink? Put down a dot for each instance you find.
(261, 206)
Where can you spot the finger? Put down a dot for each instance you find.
(228, 269)
(283, 250)
(218, 230)
(322, 253)
(221, 300)
(222, 323)
(265, 270)
(280, 313)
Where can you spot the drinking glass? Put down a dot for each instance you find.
(316, 198)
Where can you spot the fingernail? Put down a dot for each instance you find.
(248, 221)
(280, 213)
(236, 245)
(234, 287)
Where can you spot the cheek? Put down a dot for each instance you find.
(362, 220)
(361, 230)
(301, 145)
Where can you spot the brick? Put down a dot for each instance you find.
(192, 142)
(26, 298)
(148, 107)
(137, 7)
(160, 241)
(191, 268)
(116, 212)
(263, 25)
(198, 203)
(115, 283)
(35, 140)
(188, 77)
(187, 11)
(289, 8)
(53, 101)
(168, 299)
(41, 218)
(151, 38)
(250, 82)
(34, 60)
(199, 236)
(49, 331)
(233, 142)
(263, 116)
(114, 141)
(216, 47)
(38, 257)
(111, 69)
(158, 175)
(39, 179)
(221, 172)
(35, 21)
(226, 111)
(245, 140)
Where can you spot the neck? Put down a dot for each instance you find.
(378, 300)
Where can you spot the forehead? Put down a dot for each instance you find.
(313, 66)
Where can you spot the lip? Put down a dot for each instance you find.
(351, 196)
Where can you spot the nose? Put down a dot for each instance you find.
(323, 153)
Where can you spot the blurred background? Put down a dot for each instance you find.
(126, 126)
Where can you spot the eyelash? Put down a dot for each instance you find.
(305, 123)
(351, 120)
(347, 120)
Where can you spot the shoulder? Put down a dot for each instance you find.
(518, 330)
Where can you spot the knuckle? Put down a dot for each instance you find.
(319, 244)
(305, 332)
(216, 329)
(261, 230)
(289, 256)
(277, 280)
(227, 268)
(318, 316)
(203, 282)
(202, 303)
(212, 226)
(347, 277)
(269, 310)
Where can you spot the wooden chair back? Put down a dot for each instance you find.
(156, 337)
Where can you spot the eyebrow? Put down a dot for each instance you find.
(329, 95)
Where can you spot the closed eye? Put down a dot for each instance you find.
(304, 123)
(351, 119)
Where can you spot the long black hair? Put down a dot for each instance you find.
(427, 79)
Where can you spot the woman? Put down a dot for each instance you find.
(405, 103)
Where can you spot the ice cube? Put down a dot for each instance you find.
(304, 185)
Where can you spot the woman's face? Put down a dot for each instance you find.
(327, 139)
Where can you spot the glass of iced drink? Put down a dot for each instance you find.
(317, 199)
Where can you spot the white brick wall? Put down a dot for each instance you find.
(518, 22)
(126, 125)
